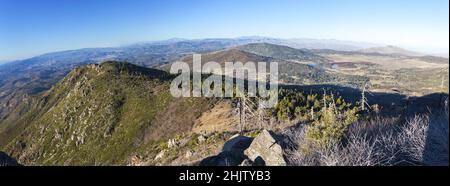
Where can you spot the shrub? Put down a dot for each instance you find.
(421, 140)
(331, 126)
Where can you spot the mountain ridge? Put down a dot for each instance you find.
(96, 113)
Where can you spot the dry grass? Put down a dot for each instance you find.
(220, 118)
(421, 140)
(386, 62)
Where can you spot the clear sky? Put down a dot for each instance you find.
(31, 27)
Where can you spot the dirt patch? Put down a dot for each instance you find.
(220, 118)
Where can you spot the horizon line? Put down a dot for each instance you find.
(413, 49)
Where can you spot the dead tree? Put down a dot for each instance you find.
(324, 99)
(364, 101)
(247, 108)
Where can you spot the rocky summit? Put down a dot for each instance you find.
(263, 150)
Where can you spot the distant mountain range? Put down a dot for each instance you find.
(160, 51)
(294, 43)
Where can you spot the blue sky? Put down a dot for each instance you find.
(31, 27)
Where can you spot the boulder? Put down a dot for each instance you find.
(232, 153)
(265, 148)
(223, 159)
(237, 144)
(246, 151)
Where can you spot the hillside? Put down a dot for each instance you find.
(392, 72)
(282, 52)
(229, 55)
(98, 115)
(23, 78)
(292, 70)
(122, 114)
(390, 50)
(111, 107)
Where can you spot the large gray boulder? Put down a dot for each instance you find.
(265, 148)
(245, 151)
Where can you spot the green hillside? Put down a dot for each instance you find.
(98, 115)
(282, 52)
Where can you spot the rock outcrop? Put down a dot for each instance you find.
(266, 148)
(246, 151)
(237, 144)
(232, 152)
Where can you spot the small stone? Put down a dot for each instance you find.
(172, 143)
(160, 155)
(201, 138)
(135, 161)
(188, 154)
(246, 162)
